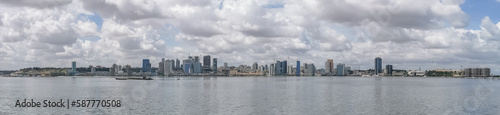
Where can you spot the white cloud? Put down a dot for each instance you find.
(408, 33)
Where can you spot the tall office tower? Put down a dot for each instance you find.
(280, 68)
(312, 69)
(196, 59)
(161, 66)
(206, 61)
(146, 65)
(169, 66)
(177, 63)
(191, 59)
(388, 69)
(378, 65)
(73, 66)
(92, 70)
(225, 66)
(172, 65)
(112, 70)
(272, 70)
(214, 67)
(196, 67)
(340, 69)
(129, 70)
(329, 66)
(297, 72)
(255, 66)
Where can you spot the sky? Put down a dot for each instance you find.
(408, 34)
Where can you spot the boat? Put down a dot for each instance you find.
(134, 78)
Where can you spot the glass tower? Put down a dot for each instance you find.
(378, 65)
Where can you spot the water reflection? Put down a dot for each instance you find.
(256, 95)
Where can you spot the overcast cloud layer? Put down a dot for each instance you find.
(408, 34)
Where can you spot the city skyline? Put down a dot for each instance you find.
(429, 34)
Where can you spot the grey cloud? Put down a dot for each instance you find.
(127, 11)
(37, 3)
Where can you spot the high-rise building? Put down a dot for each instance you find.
(329, 66)
(214, 68)
(73, 66)
(129, 70)
(113, 69)
(92, 70)
(196, 59)
(309, 69)
(225, 66)
(378, 65)
(197, 67)
(280, 68)
(146, 65)
(388, 69)
(340, 69)
(206, 61)
(255, 66)
(177, 63)
(161, 66)
(272, 70)
(297, 72)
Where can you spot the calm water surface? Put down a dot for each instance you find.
(258, 95)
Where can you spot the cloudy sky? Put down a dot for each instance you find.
(408, 34)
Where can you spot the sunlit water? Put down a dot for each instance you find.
(258, 95)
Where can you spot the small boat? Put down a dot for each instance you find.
(134, 78)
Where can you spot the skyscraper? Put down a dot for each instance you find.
(388, 69)
(206, 61)
(378, 65)
(73, 66)
(196, 59)
(160, 65)
(146, 65)
(297, 73)
(255, 66)
(340, 69)
(177, 63)
(215, 65)
(280, 68)
(329, 66)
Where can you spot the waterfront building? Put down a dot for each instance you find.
(254, 66)
(168, 67)
(197, 59)
(214, 67)
(378, 65)
(177, 63)
(146, 65)
(329, 66)
(297, 72)
(161, 66)
(476, 72)
(272, 70)
(310, 69)
(73, 66)
(341, 69)
(92, 70)
(128, 68)
(197, 67)
(388, 69)
(206, 61)
(113, 69)
(280, 68)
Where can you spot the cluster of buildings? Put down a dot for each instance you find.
(194, 66)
